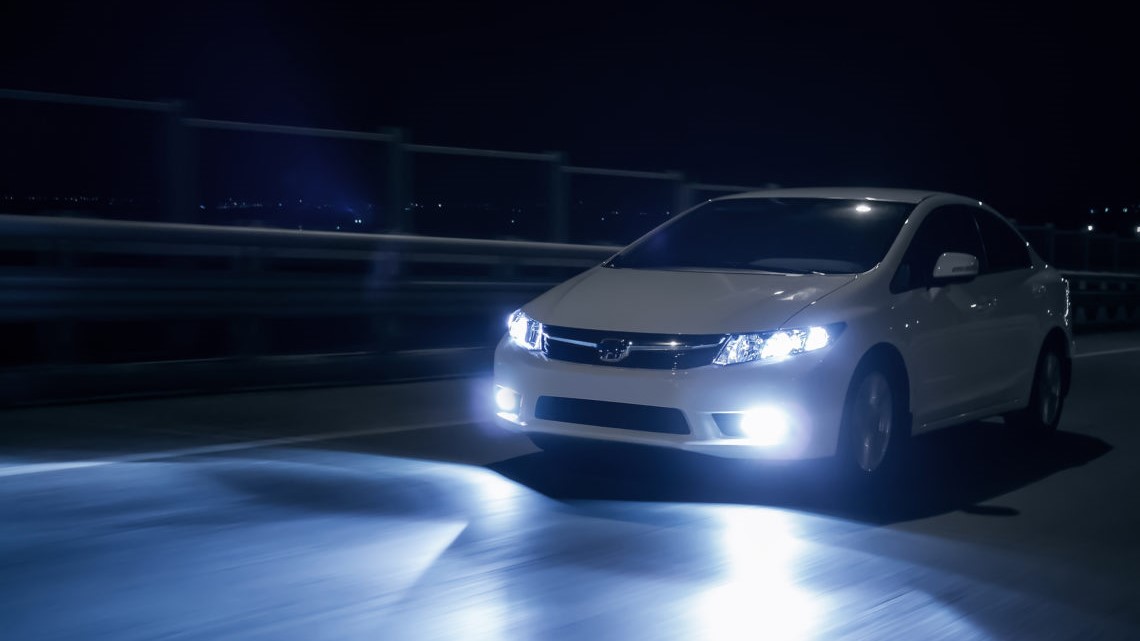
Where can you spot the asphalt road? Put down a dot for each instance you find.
(392, 512)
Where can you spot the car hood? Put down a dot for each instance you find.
(680, 302)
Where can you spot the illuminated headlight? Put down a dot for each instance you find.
(744, 348)
(524, 330)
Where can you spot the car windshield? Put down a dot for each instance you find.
(782, 235)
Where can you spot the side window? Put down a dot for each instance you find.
(946, 229)
(1005, 249)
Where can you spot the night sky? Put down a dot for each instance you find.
(1032, 108)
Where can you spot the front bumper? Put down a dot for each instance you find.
(809, 389)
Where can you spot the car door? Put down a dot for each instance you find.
(943, 325)
(1011, 303)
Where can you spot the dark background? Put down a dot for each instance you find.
(1029, 107)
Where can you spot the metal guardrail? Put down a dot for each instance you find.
(190, 307)
(1082, 250)
(1068, 249)
(1104, 300)
(178, 160)
(90, 291)
(73, 272)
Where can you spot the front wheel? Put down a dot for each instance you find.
(1047, 398)
(874, 431)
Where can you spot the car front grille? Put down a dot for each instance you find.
(625, 416)
(630, 349)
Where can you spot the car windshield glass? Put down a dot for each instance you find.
(782, 235)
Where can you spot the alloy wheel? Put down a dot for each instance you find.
(872, 421)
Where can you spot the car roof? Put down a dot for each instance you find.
(912, 196)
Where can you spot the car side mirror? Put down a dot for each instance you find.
(954, 267)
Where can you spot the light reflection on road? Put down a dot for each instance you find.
(759, 595)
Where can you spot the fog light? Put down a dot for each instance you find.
(506, 399)
(765, 426)
(507, 402)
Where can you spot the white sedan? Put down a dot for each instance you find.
(796, 324)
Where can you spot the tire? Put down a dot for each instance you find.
(1047, 397)
(874, 431)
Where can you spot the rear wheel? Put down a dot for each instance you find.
(1047, 398)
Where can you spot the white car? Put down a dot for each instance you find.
(796, 324)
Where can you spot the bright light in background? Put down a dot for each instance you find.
(1089, 228)
(862, 209)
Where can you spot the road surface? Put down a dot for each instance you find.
(395, 512)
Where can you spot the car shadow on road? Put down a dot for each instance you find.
(959, 469)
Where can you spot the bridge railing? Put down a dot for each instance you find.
(78, 290)
(178, 156)
(1084, 250)
(85, 301)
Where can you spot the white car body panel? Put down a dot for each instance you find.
(969, 348)
(683, 302)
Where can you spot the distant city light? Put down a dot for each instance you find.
(1089, 228)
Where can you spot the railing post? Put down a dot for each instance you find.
(179, 168)
(559, 228)
(56, 337)
(399, 214)
(1050, 243)
(682, 195)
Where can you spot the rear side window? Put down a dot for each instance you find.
(946, 229)
(1005, 249)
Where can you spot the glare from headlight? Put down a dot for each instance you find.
(780, 345)
(765, 426)
(506, 399)
(744, 348)
(817, 338)
(525, 331)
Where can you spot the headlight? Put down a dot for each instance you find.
(524, 330)
(744, 348)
